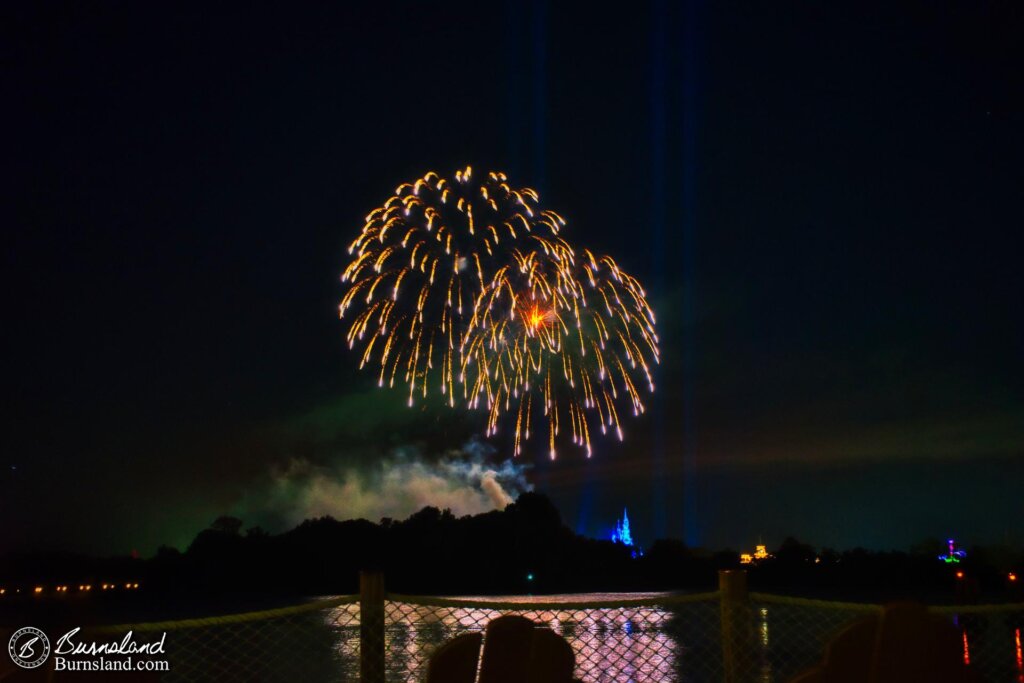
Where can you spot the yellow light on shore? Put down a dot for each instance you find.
(760, 553)
(39, 589)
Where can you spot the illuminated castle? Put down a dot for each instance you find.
(623, 535)
(760, 553)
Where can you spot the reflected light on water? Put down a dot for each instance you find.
(609, 644)
(1020, 658)
(636, 644)
(619, 645)
(766, 665)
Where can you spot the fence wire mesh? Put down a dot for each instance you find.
(991, 638)
(782, 637)
(658, 639)
(645, 641)
(315, 642)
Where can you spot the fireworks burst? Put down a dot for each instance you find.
(466, 287)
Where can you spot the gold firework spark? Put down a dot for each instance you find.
(465, 286)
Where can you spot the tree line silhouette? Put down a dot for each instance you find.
(525, 548)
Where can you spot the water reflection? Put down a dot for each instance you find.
(635, 644)
(762, 627)
(1020, 658)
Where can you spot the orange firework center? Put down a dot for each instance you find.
(536, 317)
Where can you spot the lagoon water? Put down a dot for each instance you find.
(620, 645)
(674, 643)
(660, 644)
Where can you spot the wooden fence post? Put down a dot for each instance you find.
(732, 585)
(371, 627)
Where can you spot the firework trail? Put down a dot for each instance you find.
(466, 287)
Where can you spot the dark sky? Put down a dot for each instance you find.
(824, 201)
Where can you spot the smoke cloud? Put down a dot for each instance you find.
(395, 486)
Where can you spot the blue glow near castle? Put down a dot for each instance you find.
(623, 535)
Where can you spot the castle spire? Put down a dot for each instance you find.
(625, 535)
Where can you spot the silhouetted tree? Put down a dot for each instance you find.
(226, 524)
(793, 552)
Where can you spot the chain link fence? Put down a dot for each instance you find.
(991, 637)
(648, 640)
(312, 643)
(785, 636)
(704, 638)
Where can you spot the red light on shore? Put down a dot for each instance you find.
(959, 575)
(1011, 576)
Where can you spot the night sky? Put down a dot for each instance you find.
(823, 200)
